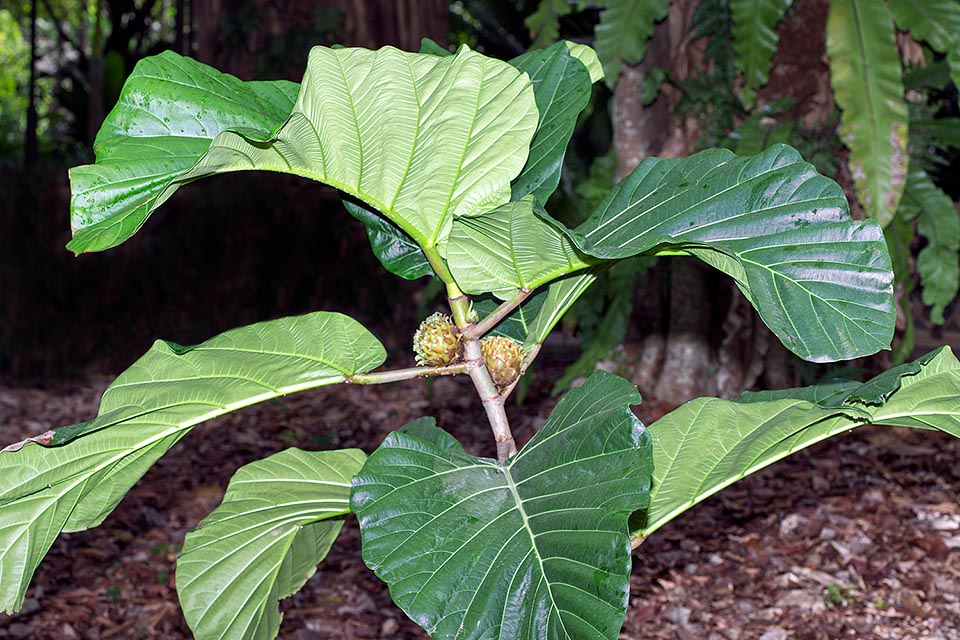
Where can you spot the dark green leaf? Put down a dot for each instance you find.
(625, 26)
(821, 281)
(534, 549)
(562, 85)
(397, 252)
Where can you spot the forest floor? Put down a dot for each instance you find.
(858, 537)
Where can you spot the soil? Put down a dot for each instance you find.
(858, 537)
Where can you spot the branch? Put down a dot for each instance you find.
(382, 377)
(501, 312)
(491, 398)
(489, 394)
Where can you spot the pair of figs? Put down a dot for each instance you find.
(438, 342)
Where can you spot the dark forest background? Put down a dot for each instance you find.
(242, 248)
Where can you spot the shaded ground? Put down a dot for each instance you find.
(856, 538)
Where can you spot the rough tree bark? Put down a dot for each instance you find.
(676, 367)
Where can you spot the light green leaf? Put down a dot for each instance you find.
(562, 85)
(146, 410)
(534, 549)
(938, 263)
(588, 57)
(755, 41)
(277, 521)
(866, 78)
(507, 249)
(561, 294)
(419, 137)
(625, 26)
(709, 444)
(821, 281)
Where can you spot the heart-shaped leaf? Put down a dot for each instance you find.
(419, 137)
(535, 549)
(708, 443)
(277, 521)
(821, 281)
(146, 410)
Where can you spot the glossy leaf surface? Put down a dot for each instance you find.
(709, 444)
(866, 78)
(277, 521)
(821, 281)
(409, 134)
(562, 85)
(169, 112)
(535, 549)
(146, 410)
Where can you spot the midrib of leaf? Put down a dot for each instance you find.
(268, 576)
(463, 157)
(865, 76)
(173, 428)
(416, 135)
(755, 466)
(309, 508)
(533, 544)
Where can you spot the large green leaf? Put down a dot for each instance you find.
(507, 249)
(625, 26)
(534, 549)
(419, 137)
(277, 521)
(709, 444)
(821, 281)
(938, 263)
(561, 76)
(145, 411)
(755, 40)
(169, 112)
(866, 78)
(561, 84)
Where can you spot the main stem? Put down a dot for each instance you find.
(489, 394)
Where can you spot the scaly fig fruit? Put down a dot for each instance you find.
(503, 357)
(437, 341)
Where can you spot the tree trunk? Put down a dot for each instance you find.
(30, 135)
(640, 132)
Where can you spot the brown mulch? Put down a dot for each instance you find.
(858, 537)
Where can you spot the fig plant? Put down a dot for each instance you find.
(448, 159)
